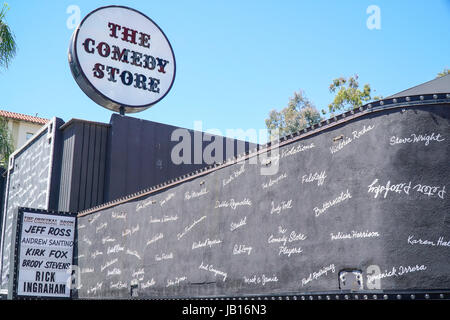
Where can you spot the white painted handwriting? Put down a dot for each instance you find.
(210, 268)
(272, 182)
(127, 232)
(165, 218)
(94, 289)
(117, 285)
(234, 175)
(395, 272)
(101, 226)
(260, 279)
(318, 274)
(133, 253)
(145, 204)
(356, 135)
(163, 256)
(377, 189)
(188, 228)
(164, 201)
(296, 149)
(117, 248)
(107, 239)
(232, 203)
(242, 248)
(242, 222)
(138, 273)
(343, 196)
(284, 205)
(415, 138)
(194, 194)
(175, 281)
(439, 243)
(94, 218)
(157, 237)
(114, 272)
(205, 243)
(430, 191)
(319, 177)
(148, 284)
(108, 264)
(289, 251)
(95, 254)
(87, 270)
(119, 215)
(354, 235)
(284, 239)
(85, 239)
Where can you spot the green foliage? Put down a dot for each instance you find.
(348, 95)
(299, 114)
(6, 145)
(445, 72)
(7, 42)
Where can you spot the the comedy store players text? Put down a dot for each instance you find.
(133, 57)
(46, 250)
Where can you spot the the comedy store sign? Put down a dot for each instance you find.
(120, 58)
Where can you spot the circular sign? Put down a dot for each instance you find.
(121, 59)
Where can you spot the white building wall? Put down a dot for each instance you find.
(20, 130)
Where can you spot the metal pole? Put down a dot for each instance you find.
(122, 111)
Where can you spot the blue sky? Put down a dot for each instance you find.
(236, 60)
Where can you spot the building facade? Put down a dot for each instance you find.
(21, 126)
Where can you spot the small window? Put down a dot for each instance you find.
(29, 135)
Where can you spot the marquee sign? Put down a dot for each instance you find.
(45, 255)
(121, 59)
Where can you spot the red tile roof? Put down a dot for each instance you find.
(24, 117)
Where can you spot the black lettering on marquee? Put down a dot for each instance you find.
(144, 40)
(129, 35)
(162, 64)
(122, 56)
(86, 45)
(113, 27)
(140, 80)
(45, 276)
(127, 77)
(153, 85)
(112, 73)
(37, 287)
(149, 62)
(105, 51)
(136, 58)
(98, 70)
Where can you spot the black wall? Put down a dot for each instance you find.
(80, 164)
(83, 165)
(103, 162)
(139, 155)
(337, 228)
